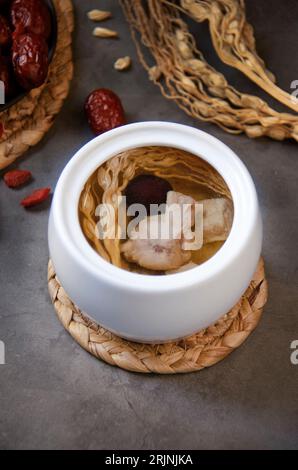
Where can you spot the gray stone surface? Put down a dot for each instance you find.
(53, 394)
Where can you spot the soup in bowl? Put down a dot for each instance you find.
(156, 210)
(155, 230)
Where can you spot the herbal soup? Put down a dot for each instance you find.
(156, 210)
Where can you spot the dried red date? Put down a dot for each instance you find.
(30, 60)
(104, 111)
(37, 197)
(147, 190)
(5, 32)
(32, 15)
(17, 178)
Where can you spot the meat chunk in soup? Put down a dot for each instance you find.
(160, 241)
(158, 255)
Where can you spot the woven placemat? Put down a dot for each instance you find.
(26, 122)
(191, 354)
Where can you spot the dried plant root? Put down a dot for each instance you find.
(183, 75)
(234, 42)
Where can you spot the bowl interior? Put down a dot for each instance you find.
(213, 186)
(52, 47)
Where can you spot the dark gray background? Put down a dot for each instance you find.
(53, 394)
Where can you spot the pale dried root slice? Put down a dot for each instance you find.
(123, 63)
(99, 15)
(218, 219)
(104, 33)
(183, 75)
(233, 40)
(183, 206)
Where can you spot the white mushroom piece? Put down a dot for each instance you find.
(159, 241)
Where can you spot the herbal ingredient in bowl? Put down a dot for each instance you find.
(25, 28)
(147, 190)
(193, 194)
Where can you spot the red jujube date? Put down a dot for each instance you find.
(104, 111)
(32, 16)
(30, 60)
(147, 190)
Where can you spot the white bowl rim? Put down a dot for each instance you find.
(240, 183)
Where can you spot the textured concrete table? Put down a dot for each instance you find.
(52, 393)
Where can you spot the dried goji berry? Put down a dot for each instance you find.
(104, 111)
(37, 197)
(16, 178)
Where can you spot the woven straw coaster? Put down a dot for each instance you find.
(26, 122)
(191, 354)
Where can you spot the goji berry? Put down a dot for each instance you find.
(16, 178)
(37, 197)
(104, 111)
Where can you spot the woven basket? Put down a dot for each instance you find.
(191, 354)
(26, 122)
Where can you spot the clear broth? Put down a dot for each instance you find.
(180, 182)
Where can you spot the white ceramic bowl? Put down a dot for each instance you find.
(154, 308)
